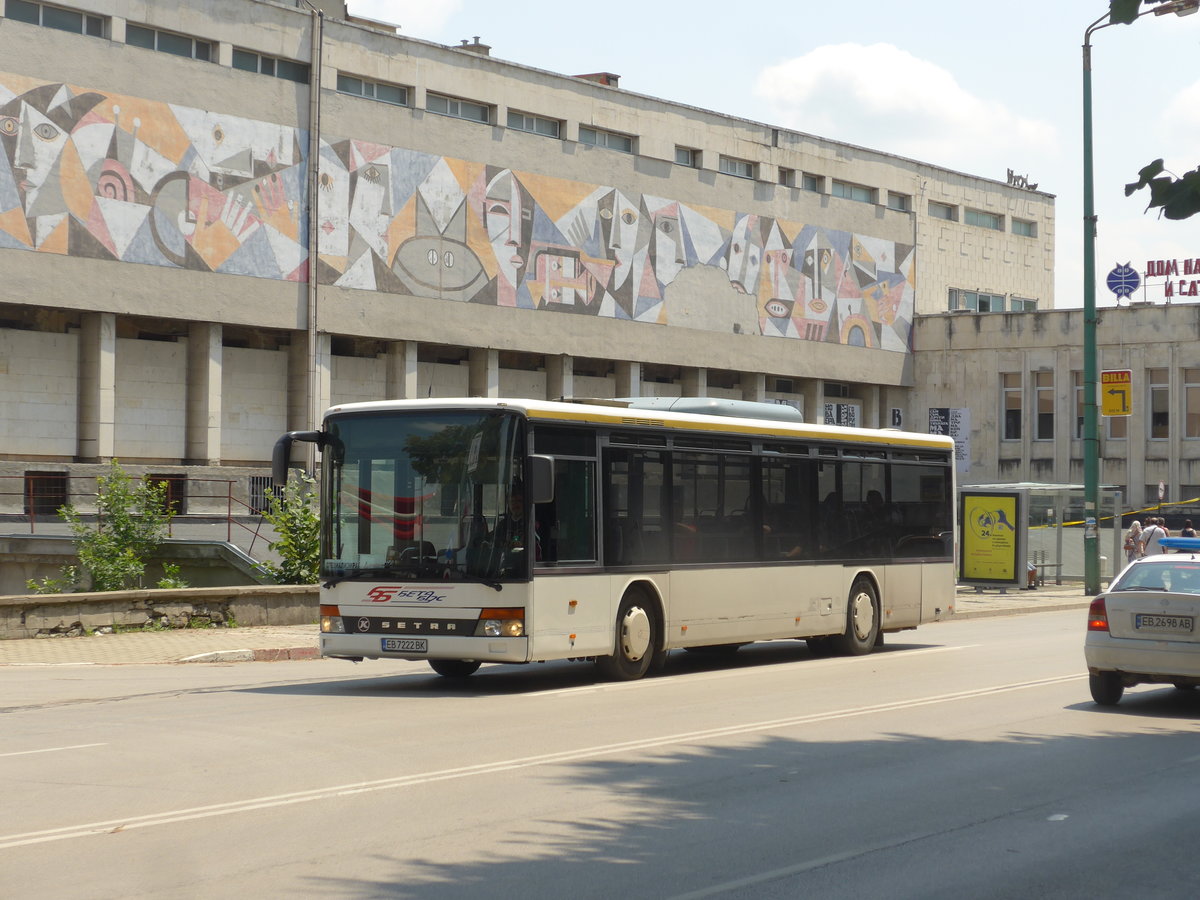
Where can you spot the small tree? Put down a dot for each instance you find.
(293, 515)
(131, 524)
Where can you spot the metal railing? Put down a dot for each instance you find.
(211, 505)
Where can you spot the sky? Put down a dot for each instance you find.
(976, 87)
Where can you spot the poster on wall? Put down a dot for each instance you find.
(955, 423)
(991, 538)
(845, 414)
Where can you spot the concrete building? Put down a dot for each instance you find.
(1015, 383)
(182, 283)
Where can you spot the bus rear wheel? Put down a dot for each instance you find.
(862, 621)
(636, 640)
(454, 668)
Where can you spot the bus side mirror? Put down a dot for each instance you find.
(541, 479)
(282, 453)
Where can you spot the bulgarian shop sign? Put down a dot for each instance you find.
(1182, 276)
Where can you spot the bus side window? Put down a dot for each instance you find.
(567, 526)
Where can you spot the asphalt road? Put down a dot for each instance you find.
(964, 760)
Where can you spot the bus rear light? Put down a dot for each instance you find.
(502, 622)
(331, 620)
(1098, 616)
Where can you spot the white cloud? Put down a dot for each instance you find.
(416, 18)
(882, 96)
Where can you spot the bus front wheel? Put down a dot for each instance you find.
(636, 640)
(862, 621)
(454, 668)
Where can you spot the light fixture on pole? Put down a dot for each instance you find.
(1091, 439)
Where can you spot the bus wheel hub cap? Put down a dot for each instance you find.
(635, 634)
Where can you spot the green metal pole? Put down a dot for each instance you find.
(1091, 440)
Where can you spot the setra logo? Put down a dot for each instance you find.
(382, 593)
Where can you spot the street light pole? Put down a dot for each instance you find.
(1091, 437)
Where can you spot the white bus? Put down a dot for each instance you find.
(653, 524)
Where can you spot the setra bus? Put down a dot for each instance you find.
(469, 531)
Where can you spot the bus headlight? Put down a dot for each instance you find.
(501, 623)
(331, 620)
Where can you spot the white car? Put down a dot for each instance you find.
(1143, 629)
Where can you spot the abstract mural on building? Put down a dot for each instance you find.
(99, 175)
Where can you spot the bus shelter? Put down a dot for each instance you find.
(1026, 533)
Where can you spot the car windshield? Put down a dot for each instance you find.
(423, 495)
(1181, 577)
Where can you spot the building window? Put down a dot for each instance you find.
(1191, 403)
(739, 168)
(1023, 228)
(54, 17)
(977, 301)
(787, 177)
(848, 191)
(375, 90)
(168, 42)
(175, 498)
(1160, 404)
(810, 182)
(1118, 427)
(609, 139)
(687, 156)
(519, 121)
(262, 489)
(45, 492)
(1022, 304)
(899, 202)
(458, 109)
(1043, 390)
(249, 61)
(943, 211)
(1077, 389)
(1011, 389)
(985, 219)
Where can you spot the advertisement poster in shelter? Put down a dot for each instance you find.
(992, 537)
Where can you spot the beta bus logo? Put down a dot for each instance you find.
(382, 593)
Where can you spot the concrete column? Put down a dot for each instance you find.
(560, 377)
(484, 377)
(813, 391)
(204, 394)
(324, 376)
(97, 399)
(870, 406)
(695, 382)
(402, 370)
(629, 379)
(297, 383)
(754, 386)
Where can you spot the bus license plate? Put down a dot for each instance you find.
(1168, 624)
(406, 645)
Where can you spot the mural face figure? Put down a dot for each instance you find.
(745, 255)
(667, 247)
(34, 129)
(618, 230)
(508, 218)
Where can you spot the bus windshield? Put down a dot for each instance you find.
(424, 494)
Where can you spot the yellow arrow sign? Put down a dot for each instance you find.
(1116, 392)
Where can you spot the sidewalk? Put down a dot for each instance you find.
(300, 641)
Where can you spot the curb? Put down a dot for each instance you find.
(1017, 611)
(268, 655)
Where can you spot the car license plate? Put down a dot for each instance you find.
(1166, 624)
(406, 645)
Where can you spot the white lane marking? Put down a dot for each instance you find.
(51, 750)
(1058, 817)
(112, 826)
(688, 677)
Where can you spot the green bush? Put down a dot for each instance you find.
(293, 515)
